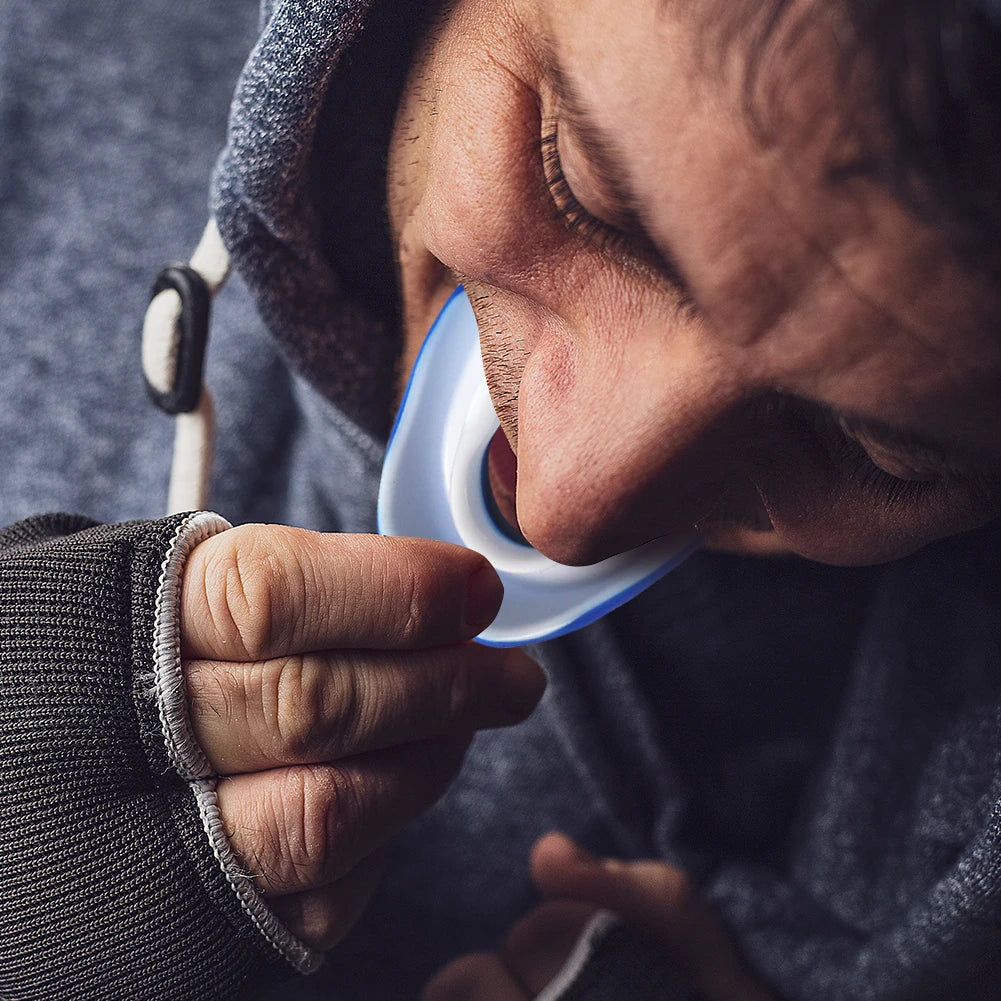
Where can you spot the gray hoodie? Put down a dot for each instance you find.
(818, 745)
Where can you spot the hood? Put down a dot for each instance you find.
(299, 191)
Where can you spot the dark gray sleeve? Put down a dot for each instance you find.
(110, 888)
(613, 963)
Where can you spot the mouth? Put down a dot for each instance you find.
(502, 479)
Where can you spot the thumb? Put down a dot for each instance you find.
(655, 898)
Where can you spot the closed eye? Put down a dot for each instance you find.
(898, 463)
(629, 238)
(571, 213)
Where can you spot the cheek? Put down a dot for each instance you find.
(485, 210)
(462, 149)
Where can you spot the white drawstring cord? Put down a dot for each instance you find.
(194, 434)
(191, 466)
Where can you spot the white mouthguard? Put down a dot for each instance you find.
(433, 488)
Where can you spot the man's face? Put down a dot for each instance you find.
(683, 324)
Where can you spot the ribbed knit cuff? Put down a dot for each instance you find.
(111, 888)
(186, 756)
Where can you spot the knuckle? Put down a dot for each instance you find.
(238, 585)
(344, 704)
(337, 812)
(295, 813)
(324, 811)
(312, 835)
(312, 712)
(410, 596)
(297, 705)
(249, 590)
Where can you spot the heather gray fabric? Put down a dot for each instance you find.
(111, 116)
(108, 892)
(820, 746)
(624, 965)
(315, 245)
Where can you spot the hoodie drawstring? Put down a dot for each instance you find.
(175, 333)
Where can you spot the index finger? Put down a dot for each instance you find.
(262, 591)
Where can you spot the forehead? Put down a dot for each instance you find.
(833, 281)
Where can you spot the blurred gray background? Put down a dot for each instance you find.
(112, 113)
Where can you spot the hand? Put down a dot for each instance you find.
(330, 679)
(654, 898)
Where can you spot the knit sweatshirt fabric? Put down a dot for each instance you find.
(819, 746)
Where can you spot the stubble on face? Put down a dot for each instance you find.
(802, 291)
(504, 358)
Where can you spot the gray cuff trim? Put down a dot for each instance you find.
(300, 955)
(594, 931)
(185, 754)
(183, 750)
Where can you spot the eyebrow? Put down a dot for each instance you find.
(608, 163)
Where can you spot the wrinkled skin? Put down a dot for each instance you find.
(823, 378)
(333, 689)
(684, 322)
(330, 679)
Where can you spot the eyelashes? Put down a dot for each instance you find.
(568, 210)
(867, 474)
(858, 470)
(861, 471)
(591, 230)
(889, 490)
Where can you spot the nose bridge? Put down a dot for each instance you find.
(635, 440)
(673, 432)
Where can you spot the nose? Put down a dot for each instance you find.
(618, 447)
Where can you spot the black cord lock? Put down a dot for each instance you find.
(185, 395)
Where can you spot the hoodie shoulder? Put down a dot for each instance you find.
(299, 191)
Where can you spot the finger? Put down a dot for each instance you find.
(262, 591)
(322, 707)
(647, 894)
(480, 976)
(301, 827)
(538, 946)
(659, 900)
(322, 917)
